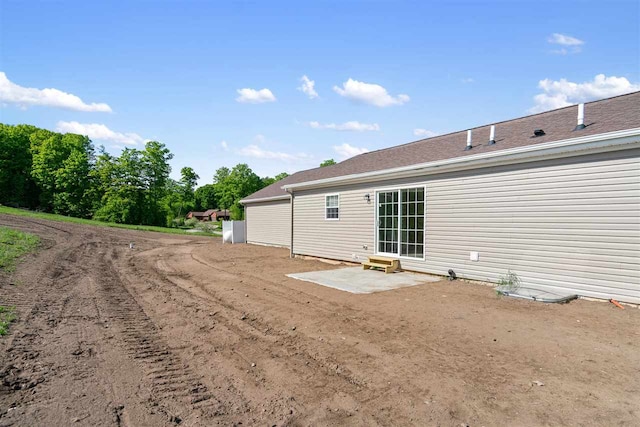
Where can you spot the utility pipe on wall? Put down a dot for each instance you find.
(291, 254)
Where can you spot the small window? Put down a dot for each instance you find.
(332, 206)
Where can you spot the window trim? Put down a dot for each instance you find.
(326, 196)
(375, 223)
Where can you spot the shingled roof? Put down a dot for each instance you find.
(607, 115)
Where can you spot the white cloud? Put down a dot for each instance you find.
(564, 40)
(353, 126)
(562, 93)
(100, 132)
(24, 97)
(345, 150)
(369, 93)
(570, 44)
(467, 80)
(260, 153)
(424, 132)
(252, 96)
(224, 145)
(307, 87)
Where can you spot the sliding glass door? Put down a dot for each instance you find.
(388, 222)
(400, 222)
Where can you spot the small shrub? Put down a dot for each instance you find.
(509, 282)
(191, 222)
(237, 212)
(207, 227)
(177, 222)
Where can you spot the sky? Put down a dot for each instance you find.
(282, 86)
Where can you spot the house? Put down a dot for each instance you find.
(553, 197)
(200, 216)
(218, 214)
(210, 215)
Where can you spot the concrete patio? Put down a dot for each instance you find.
(359, 281)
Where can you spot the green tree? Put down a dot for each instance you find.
(61, 173)
(327, 162)
(60, 168)
(156, 169)
(188, 181)
(221, 175)
(73, 185)
(124, 188)
(16, 183)
(101, 177)
(135, 185)
(174, 203)
(205, 198)
(267, 181)
(240, 182)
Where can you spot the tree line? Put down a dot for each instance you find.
(66, 175)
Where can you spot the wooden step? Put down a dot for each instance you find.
(382, 260)
(389, 265)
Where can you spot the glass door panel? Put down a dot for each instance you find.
(388, 222)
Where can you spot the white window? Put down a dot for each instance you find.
(332, 206)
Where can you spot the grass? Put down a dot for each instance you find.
(7, 315)
(14, 244)
(62, 218)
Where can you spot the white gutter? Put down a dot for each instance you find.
(510, 155)
(265, 199)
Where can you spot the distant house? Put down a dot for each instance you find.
(207, 214)
(210, 215)
(200, 216)
(554, 199)
(218, 214)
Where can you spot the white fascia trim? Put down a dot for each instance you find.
(266, 199)
(555, 148)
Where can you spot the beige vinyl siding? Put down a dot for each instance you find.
(269, 223)
(569, 224)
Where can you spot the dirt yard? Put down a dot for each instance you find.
(183, 330)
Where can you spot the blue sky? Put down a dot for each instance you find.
(384, 72)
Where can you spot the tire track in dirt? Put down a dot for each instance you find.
(39, 313)
(256, 340)
(175, 388)
(28, 223)
(68, 266)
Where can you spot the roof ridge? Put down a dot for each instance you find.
(605, 115)
(490, 124)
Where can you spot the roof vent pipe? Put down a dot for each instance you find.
(492, 135)
(580, 117)
(469, 146)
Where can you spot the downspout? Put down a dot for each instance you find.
(291, 255)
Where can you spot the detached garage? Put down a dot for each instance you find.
(553, 197)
